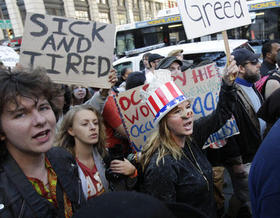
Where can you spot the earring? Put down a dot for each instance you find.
(2, 138)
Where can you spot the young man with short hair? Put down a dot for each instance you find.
(36, 180)
(269, 52)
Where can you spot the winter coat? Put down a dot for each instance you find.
(19, 199)
(180, 180)
(241, 148)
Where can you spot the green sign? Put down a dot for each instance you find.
(5, 24)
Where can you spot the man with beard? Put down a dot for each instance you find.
(240, 149)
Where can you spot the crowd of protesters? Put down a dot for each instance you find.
(64, 149)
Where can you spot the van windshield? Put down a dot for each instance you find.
(218, 57)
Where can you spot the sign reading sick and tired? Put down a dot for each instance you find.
(72, 51)
(204, 17)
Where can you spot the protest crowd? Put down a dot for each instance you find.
(139, 144)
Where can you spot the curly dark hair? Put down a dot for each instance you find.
(23, 82)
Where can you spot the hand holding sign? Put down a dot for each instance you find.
(112, 79)
(230, 72)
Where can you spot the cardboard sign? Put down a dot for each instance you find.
(203, 85)
(137, 117)
(72, 51)
(205, 17)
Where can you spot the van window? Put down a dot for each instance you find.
(141, 65)
(120, 66)
(218, 57)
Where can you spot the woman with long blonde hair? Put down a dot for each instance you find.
(174, 166)
(82, 132)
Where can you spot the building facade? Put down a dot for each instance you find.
(108, 11)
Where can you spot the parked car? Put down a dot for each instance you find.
(192, 52)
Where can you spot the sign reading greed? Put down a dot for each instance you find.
(204, 17)
(72, 51)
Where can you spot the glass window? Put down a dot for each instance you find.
(125, 42)
(102, 2)
(148, 5)
(54, 7)
(21, 6)
(135, 4)
(122, 19)
(136, 17)
(158, 6)
(82, 15)
(119, 67)
(104, 17)
(121, 3)
(82, 9)
(218, 57)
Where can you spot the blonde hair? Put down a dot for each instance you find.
(162, 142)
(64, 139)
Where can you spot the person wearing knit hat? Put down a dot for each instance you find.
(174, 166)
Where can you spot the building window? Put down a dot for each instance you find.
(148, 8)
(105, 2)
(5, 14)
(81, 15)
(21, 7)
(54, 7)
(104, 17)
(121, 3)
(122, 19)
(158, 6)
(135, 4)
(136, 17)
(82, 9)
(148, 5)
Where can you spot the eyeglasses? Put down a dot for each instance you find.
(254, 62)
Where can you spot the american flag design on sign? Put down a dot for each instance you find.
(164, 99)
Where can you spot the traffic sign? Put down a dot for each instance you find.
(5, 24)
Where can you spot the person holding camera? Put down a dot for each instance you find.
(82, 132)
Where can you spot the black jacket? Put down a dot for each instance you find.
(266, 67)
(178, 180)
(241, 148)
(19, 199)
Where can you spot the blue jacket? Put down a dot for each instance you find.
(264, 177)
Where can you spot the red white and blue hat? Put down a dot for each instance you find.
(162, 98)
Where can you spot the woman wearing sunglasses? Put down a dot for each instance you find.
(174, 166)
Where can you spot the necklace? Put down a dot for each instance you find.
(197, 166)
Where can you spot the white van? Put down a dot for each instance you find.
(193, 52)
